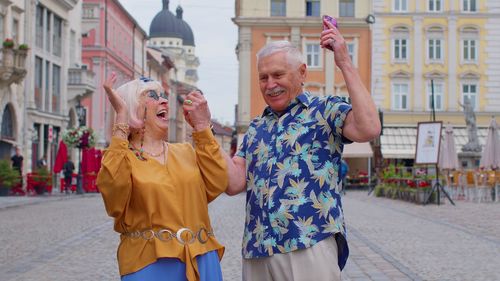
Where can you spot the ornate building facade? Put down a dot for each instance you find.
(451, 47)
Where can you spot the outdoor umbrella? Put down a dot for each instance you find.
(61, 157)
(448, 158)
(490, 159)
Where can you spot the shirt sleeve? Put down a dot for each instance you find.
(336, 114)
(114, 178)
(211, 162)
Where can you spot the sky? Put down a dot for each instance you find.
(215, 37)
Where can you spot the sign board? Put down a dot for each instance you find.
(51, 134)
(428, 142)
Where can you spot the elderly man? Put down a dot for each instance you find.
(289, 161)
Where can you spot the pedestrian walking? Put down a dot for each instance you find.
(17, 161)
(68, 170)
(158, 192)
(289, 161)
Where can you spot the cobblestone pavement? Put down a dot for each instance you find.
(71, 238)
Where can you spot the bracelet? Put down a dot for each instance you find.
(119, 128)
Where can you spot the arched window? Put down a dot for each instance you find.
(400, 45)
(435, 44)
(7, 123)
(469, 41)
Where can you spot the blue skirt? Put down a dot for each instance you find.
(173, 269)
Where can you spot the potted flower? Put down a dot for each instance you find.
(41, 179)
(23, 47)
(8, 177)
(21, 54)
(8, 52)
(8, 43)
(80, 137)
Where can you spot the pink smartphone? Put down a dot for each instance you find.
(331, 20)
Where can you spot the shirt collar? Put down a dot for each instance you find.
(304, 99)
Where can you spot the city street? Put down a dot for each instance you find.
(71, 238)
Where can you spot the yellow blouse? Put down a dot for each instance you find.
(145, 195)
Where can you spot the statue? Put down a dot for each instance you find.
(470, 120)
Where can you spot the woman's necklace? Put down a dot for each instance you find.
(139, 152)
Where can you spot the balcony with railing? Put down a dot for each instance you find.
(12, 66)
(80, 82)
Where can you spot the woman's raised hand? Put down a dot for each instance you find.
(196, 111)
(116, 101)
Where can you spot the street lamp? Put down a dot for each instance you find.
(81, 112)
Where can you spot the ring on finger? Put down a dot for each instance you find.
(188, 102)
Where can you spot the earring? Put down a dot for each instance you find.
(143, 130)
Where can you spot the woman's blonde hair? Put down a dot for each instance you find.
(131, 92)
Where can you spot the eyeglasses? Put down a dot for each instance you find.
(152, 94)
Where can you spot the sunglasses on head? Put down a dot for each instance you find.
(152, 94)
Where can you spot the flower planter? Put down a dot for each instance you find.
(21, 58)
(8, 57)
(4, 191)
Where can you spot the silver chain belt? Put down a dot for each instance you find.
(183, 235)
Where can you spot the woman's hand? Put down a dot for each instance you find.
(196, 111)
(116, 101)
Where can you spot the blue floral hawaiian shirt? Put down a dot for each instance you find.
(292, 176)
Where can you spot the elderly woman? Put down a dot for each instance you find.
(158, 192)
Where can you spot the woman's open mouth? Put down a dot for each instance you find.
(162, 114)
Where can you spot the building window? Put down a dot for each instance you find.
(312, 8)
(47, 86)
(47, 24)
(469, 91)
(38, 82)
(72, 48)
(346, 8)
(400, 35)
(469, 6)
(400, 6)
(313, 55)
(438, 96)
(7, 123)
(39, 27)
(400, 96)
(88, 13)
(278, 8)
(434, 49)
(57, 36)
(352, 48)
(400, 49)
(434, 5)
(469, 40)
(15, 31)
(469, 50)
(56, 89)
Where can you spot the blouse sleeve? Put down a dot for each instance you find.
(211, 163)
(114, 178)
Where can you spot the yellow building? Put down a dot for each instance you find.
(452, 44)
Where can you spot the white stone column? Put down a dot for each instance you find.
(295, 37)
(244, 83)
(418, 59)
(452, 64)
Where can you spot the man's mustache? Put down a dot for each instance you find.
(274, 91)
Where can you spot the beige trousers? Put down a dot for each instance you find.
(319, 263)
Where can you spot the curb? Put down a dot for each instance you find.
(9, 202)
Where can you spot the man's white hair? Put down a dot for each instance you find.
(293, 54)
